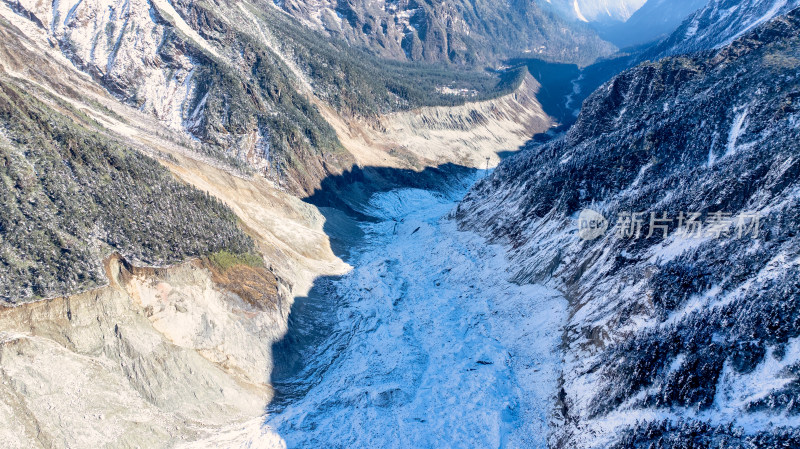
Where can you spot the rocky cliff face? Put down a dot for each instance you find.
(719, 23)
(469, 135)
(675, 334)
(71, 193)
(239, 103)
(655, 20)
(462, 32)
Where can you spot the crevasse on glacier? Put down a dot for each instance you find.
(429, 343)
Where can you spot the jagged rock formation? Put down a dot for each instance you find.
(719, 23)
(462, 32)
(675, 336)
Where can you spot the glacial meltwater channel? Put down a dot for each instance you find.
(424, 344)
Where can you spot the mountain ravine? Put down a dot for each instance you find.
(397, 224)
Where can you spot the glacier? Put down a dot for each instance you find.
(424, 343)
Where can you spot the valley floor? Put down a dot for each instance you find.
(424, 343)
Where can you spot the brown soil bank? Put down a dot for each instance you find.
(157, 357)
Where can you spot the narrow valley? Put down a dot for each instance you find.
(415, 343)
(477, 224)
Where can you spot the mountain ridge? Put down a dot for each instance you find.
(655, 20)
(673, 331)
(596, 11)
(462, 32)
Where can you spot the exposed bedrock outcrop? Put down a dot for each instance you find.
(157, 357)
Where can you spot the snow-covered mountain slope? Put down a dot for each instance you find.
(712, 26)
(596, 10)
(674, 335)
(655, 20)
(148, 55)
(719, 23)
(460, 31)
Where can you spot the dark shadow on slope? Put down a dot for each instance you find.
(538, 139)
(343, 198)
(603, 70)
(597, 74)
(311, 325)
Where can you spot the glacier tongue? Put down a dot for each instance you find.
(429, 342)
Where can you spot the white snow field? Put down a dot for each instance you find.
(427, 346)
